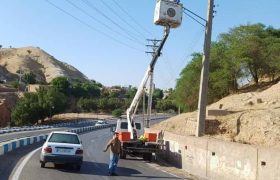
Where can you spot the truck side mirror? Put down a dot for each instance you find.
(113, 128)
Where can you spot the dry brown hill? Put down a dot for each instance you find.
(251, 118)
(42, 64)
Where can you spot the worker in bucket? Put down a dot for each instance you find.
(115, 149)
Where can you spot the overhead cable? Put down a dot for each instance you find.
(195, 14)
(99, 21)
(91, 27)
(194, 19)
(123, 20)
(133, 20)
(109, 19)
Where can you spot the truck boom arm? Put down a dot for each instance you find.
(148, 76)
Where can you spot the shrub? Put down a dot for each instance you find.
(117, 113)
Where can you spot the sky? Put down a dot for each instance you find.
(105, 39)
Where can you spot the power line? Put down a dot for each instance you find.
(123, 20)
(194, 19)
(124, 11)
(109, 19)
(92, 17)
(91, 27)
(195, 14)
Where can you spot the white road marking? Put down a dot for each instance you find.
(155, 167)
(18, 171)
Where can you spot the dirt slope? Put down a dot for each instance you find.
(251, 118)
(28, 59)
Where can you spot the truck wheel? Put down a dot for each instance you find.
(123, 154)
(148, 156)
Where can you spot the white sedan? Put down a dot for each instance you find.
(62, 148)
(99, 123)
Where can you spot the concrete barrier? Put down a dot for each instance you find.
(194, 156)
(210, 158)
(227, 160)
(8, 146)
(268, 163)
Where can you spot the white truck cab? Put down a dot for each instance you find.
(122, 126)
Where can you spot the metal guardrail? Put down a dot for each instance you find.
(10, 130)
(12, 145)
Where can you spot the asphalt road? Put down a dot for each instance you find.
(95, 165)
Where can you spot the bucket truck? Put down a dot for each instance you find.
(168, 14)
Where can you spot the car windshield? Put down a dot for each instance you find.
(64, 138)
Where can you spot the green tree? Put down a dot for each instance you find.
(117, 113)
(246, 51)
(91, 90)
(166, 105)
(35, 106)
(158, 93)
(29, 78)
(86, 89)
(27, 110)
(114, 94)
(61, 84)
(224, 72)
(88, 105)
(187, 86)
(55, 101)
(255, 47)
(131, 92)
(272, 42)
(77, 90)
(103, 104)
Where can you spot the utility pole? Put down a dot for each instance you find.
(20, 74)
(154, 47)
(202, 102)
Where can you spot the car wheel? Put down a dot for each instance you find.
(43, 164)
(147, 156)
(78, 167)
(56, 165)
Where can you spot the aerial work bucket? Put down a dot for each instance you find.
(168, 13)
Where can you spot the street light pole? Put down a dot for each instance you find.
(202, 103)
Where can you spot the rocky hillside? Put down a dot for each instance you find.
(250, 118)
(42, 64)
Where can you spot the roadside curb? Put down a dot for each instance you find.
(8, 146)
(12, 145)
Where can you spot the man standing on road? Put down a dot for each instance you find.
(115, 149)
